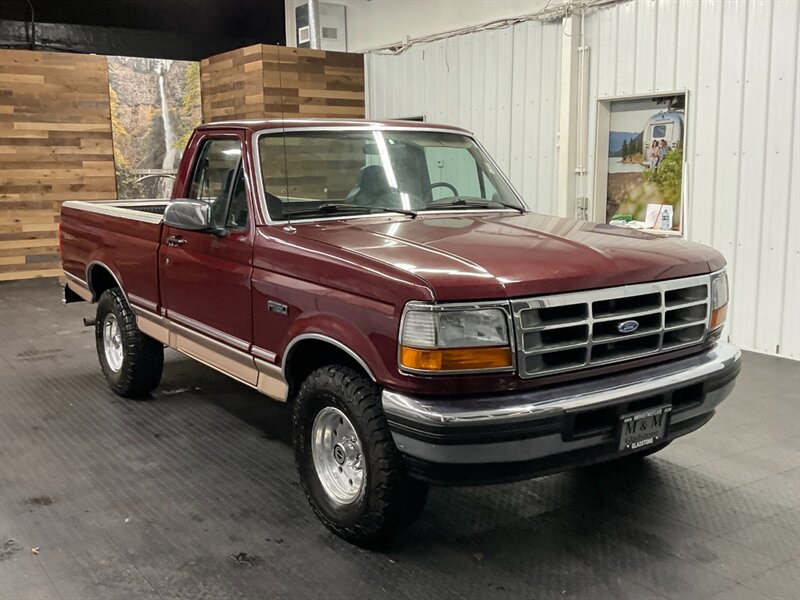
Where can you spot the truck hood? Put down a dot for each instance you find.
(497, 255)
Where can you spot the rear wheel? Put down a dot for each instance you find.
(351, 471)
(132, 362)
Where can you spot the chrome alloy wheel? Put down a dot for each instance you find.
(112, 342)
(337, 454)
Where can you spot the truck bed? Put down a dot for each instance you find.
(130, 209)
(122, 237)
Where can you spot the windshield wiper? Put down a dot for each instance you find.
(329, 207)
(459, 201)
(402, 211)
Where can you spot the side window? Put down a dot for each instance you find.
(236, 217)
(218, 180)
(215, 168)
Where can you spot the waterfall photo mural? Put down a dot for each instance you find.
(155, 105)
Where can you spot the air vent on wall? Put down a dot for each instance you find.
(333, 26)
(303, 35)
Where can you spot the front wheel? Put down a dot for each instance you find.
(132, 362)
(350, 470)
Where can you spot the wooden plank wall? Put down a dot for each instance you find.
(232, 85)
(55, 145)
(55, 128)
(271, 81)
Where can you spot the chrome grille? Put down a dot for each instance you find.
(567, 332)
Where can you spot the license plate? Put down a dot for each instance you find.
(641, 429)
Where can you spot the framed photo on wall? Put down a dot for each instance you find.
(640, 164)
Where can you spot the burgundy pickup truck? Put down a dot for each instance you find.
(386, 280)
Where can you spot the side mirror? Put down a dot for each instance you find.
(194, 215)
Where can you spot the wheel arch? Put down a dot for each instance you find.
(99, 278)
(309, 351)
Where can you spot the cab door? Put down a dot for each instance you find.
(206, 276)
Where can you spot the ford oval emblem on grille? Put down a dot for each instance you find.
(628, 326)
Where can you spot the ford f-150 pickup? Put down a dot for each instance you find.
(427, 328)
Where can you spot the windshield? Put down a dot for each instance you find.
(308, 174)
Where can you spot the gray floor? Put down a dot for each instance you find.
(193, 494)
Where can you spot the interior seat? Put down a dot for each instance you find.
(371, 185)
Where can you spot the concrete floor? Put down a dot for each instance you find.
(193, 494)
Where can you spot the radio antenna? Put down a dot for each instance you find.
(288, 227)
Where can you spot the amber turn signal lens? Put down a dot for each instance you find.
(455, 359)
(718, 316)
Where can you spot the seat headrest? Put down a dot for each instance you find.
(372, 179)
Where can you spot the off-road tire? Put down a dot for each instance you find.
(390, 500)
(143, 357)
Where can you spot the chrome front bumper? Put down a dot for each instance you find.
(521, 434)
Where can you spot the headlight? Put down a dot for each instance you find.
(719, 300)
(447, 339)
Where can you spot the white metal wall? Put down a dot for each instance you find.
(502, 85)
(739, 62)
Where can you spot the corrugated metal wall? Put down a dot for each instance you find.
(503, 85)
(739, 62)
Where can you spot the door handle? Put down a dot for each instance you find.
(175, 241)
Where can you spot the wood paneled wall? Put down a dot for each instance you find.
(55, 145)
(56, 140)
(271, 81)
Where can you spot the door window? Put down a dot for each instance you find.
(218, 179)
(236, 217)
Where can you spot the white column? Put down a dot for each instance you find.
(568, 120)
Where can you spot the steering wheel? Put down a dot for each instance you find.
(449, 186)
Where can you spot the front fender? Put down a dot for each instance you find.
(367, 346)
